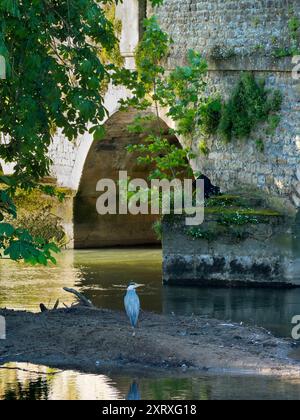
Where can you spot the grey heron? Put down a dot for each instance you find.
(132, 304)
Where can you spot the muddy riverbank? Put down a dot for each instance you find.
(93, 340)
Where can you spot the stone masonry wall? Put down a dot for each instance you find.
(63, 155)
(252, 29)
(241, 24)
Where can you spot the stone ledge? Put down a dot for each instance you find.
(257, 250)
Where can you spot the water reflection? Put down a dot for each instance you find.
(28, 382)
(134, 392)
(34, 390)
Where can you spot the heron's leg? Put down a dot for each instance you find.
(133, 332)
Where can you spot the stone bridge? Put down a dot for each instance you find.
(250, 30)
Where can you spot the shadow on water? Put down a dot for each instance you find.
(269, 308)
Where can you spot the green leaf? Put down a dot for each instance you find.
(99, 133)
(6, 229)
(42, 259)
(8, 180)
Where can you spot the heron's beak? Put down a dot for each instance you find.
(138, 285)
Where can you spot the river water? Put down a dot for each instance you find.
(102, 276)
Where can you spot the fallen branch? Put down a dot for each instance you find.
(56, 305)
(81, 299)
(44, 308)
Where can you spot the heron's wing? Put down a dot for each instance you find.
(132, 307)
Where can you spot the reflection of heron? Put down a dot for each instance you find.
(132, 304)
(134, 392)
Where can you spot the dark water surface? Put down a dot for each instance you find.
(102, 276)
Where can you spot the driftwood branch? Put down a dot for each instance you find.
(56, 305)
(81, 299)
(44, 308)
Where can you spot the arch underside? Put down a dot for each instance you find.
(104, 161)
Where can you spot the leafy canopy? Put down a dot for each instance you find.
(54, 75)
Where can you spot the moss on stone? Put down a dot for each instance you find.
(230, 215)
(246, 212)
(244, 204)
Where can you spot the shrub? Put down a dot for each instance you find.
(249, 105)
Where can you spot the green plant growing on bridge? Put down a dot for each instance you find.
(294, 35)
(208, 234)
(203, 148)
(233, 216)
(156, 2)
(210, 112)
(237, 218)
(221, 52)
(112, 54)
(157, 227)
(260, 145)
(249, 105)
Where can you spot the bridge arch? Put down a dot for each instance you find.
(104, 160)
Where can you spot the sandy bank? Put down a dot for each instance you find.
(98, 340)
